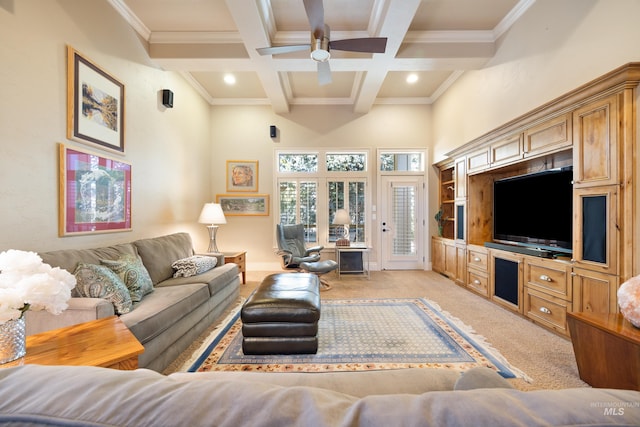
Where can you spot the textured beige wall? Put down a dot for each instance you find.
(169, 149)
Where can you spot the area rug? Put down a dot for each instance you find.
(363, 335)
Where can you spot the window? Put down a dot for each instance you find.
(312, 186)
(401, 162)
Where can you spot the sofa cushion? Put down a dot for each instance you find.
(133, 273)
(196, 264)
(357, 383)
(216, 279)
(159, 253)
(69, 258)
(481, 377)
(162, 308)
(98, 281)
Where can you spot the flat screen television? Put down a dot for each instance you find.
(535, 210)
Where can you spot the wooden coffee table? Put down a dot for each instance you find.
(104, 342)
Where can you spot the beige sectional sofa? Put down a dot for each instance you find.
(77, 395)
(167, 320)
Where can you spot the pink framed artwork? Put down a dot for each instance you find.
(94, 193)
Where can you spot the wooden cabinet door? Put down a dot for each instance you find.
(461, 178)
(461, 264)
(595, 145)
(595, 230)
(594, 292)
(552, 135)
(506, 284)
(437, 255)
(450, 259)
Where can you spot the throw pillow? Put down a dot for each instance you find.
(187, 267)
(98, 281)
(133, 273)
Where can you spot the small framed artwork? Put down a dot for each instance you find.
(242, 175)
(94, 193)
(244, 204)
(95, 104)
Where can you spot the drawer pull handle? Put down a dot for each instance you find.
(545, 310)
(545, 278)
(476, 259)
(476, 282)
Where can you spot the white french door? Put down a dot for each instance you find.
(402, 223)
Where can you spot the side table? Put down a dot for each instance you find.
(105, 342)
(607, 349)
(239, 258)
(352, 259)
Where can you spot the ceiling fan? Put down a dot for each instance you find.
(321, 42)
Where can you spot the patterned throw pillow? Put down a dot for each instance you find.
(133, 273)
(193, 265)
(98, 281)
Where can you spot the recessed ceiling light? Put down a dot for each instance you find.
(412, 78)
(230, 79)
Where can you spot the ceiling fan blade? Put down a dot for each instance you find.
(370, 45)
(315, 14)
(275, 50)
(324, 73)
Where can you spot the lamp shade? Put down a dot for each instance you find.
(342, 217)
(212, 214)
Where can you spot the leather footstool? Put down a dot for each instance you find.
(281, 315)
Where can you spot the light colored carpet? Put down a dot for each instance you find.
(546, 358)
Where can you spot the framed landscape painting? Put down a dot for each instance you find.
(94, 193)
(242, 175)
(244, 205)
(95, 104)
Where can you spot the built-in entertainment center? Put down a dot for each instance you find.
(537, 215)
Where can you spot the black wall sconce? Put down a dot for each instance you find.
(273, 131)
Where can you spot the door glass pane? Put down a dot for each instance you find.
(404, 220)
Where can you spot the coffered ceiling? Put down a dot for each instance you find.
(206, 40)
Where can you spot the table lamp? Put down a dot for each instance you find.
(212, 214)
(342, 218)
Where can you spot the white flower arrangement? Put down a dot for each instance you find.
(26, 283)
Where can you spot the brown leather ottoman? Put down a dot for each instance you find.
(281, 315)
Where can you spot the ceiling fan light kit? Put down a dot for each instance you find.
(320, 49)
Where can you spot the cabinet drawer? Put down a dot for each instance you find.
(546, 310)
(478, 282)
(478, 260)
(548, 276)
